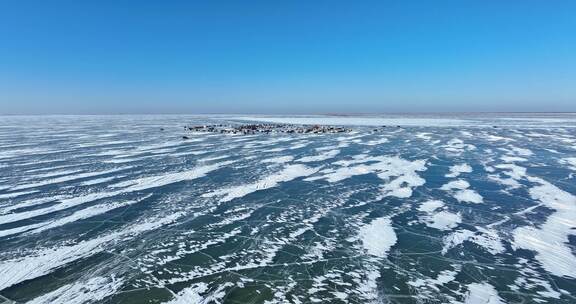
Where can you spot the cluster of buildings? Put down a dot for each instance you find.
(267, 129)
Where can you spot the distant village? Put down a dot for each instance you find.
(248, 129)
(266, 129)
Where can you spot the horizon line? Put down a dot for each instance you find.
(294, 114)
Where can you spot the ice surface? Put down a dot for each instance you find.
(355, 121)
(428, 209)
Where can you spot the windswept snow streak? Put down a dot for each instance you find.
(550, 240)
(140, 184)
(400, 175)
(93, 290)
(43, 261)
(322, 156)
(287, 174)
(482, 293)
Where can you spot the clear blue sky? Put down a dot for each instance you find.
(287, 56)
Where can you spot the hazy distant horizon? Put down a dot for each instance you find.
(359, 114)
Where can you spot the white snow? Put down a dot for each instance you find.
(514, 171)
(443, 277)
(130, 186)
(45, 260)
(100, 180)
(320, 157)
(424, 135)
(457, 146)
(430, 206)
(170, 178)
(190, 295)
(368, 288)
(376, 142)
(570, 161)
(76, 216)
(456, 170)
(482, 293)
(289, 173)
(510, 183)
(469, 196)
(462, 193)
(521, 151)
(357, 120)
(550, 240)
(457, 184)
(279, 160)
(378, 237)
(485, 238)
(512, 159)
(91, 290)
(16, 194)
(66, 178)
(398, 174)
(443, 220)
(438, 219)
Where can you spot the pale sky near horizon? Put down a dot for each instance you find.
(107, 57)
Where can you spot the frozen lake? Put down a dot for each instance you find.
(430, 209)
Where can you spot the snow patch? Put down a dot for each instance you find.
(430, 206)
(190, 295)
(485, 238)
(443, 220)
(378, 237)
(462, 193)
(456, 170)
(482, 293)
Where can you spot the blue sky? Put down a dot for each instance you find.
(287, 56)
